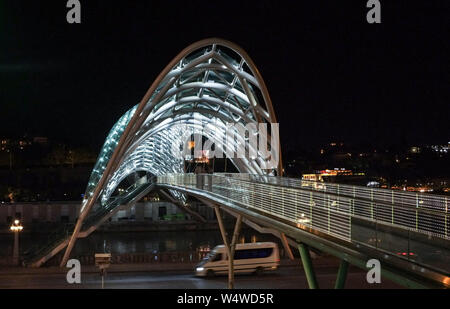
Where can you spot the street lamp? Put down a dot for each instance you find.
(16, 228)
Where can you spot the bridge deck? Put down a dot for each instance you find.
(411, 234)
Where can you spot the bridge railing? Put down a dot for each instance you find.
(306, 209)
(413, 233)
(415, 210)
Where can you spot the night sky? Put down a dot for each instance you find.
(331, 75)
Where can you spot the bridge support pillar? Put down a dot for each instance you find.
(341, 275)
(237, 229)
(308, 266)
(230, 247)
(285, 243)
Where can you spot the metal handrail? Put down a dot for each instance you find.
(434, 201)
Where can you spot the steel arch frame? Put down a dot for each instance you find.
(213, 80)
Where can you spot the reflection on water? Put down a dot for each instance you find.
(151, 242)
(139, 242)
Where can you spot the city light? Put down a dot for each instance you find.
(16, 227)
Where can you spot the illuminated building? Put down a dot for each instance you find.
(312, 177)
(336, 172)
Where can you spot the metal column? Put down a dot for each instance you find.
(341, 275)
(307, 266)
(230, 247)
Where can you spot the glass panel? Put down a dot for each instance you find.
(107, 150)
(229, 55)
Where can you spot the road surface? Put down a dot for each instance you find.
(286, 277)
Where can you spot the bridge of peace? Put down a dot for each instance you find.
(214, 83)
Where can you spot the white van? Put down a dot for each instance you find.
(248, 258)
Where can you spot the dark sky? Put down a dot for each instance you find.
(331, 75)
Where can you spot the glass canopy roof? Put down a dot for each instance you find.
(210, 84)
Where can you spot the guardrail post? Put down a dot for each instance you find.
(253, 192)
(271, 199)
(310, 208)
(371, 204)
(338, 191)
(307, 266)
(350, 220)
(354, 198)
(329, 214)
(376, 227)
(417, 211)
(209, 176)
(445, 217)
(392, 211)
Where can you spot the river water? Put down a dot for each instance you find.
(139, 242)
